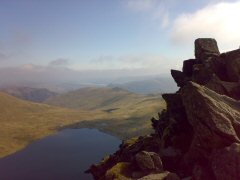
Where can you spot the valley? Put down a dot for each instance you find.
(111, 110)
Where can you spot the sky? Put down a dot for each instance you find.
(154, 35)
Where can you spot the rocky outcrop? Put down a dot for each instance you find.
(198, 135)
(205, 48)
(215, 120)
(148, 161)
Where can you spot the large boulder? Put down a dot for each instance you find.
(205, 47)
(148, 161)
(215, 120)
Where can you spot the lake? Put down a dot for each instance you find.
(63, 156)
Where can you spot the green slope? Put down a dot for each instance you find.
(128, 114)
(100, 98)
(23, 122)
(114, 111)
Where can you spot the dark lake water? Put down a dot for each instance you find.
(64, 156)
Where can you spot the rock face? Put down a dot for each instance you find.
(198, 135)
(205, 47)
(225, 162)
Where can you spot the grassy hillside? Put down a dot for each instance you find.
(100, 98)
(114, 111)
(127, 115)
(22, 121)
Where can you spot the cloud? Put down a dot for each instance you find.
(158, 10)
(46, 76)
(142, 61)
(103, 59)
(59, 62)
(219, 21)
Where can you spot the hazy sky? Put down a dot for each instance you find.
(112, 34)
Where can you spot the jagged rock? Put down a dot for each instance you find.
(226, 163)
(232, 60)
(230, 89)
(175, 107)
(217, 86)
(217, 65)
(178, 138)
(188, 67)
(169, 127)
(215, 120)
(161, 176)
(126, 153)
(178, 77)
(198, 135)
(201, 75)
(148, 161)
(205, 47)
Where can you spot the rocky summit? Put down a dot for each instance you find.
(198, 135)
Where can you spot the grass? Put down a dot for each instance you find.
(23, 122)
(128, 114)
(119, 113)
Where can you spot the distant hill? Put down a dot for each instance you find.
(128, 113)
(23, 121)
(148, 86)
(112, 110)
(101, 98)
(30, 94)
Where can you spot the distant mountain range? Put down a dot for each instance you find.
(148, 86)
(100, 98)
(128, 113)
(30, 94)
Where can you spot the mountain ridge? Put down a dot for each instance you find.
(148, 86)
(29, 93)
(98, 98)
(198, 135)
